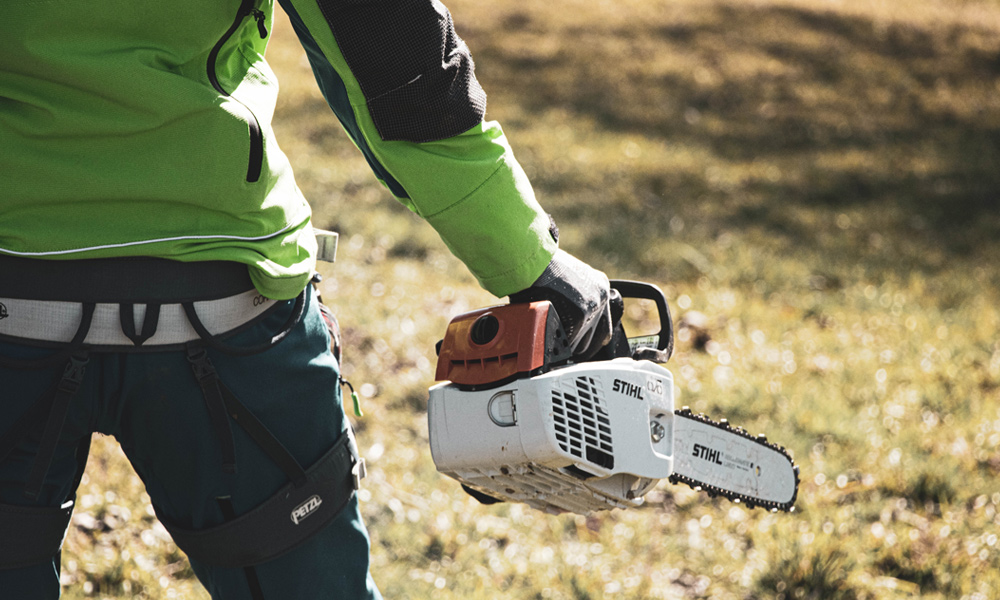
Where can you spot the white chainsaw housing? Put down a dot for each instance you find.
(583, 438)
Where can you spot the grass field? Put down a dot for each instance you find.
(819, 179)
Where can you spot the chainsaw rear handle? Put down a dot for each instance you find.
(643, 291)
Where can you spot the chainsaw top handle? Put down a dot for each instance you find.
(640, 348)
(487, 347)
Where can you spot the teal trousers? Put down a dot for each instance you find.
(152, 404)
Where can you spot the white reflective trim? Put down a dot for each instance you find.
(154, 241)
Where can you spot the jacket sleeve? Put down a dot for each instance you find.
(402, 84)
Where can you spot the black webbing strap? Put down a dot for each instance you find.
(210, 385)
(32, 534)
(263, 437)
(66, 390)
(298, 311)
(126, 315)
(223, 404)
(284, 521)
(36, 412)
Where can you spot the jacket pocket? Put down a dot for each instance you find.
(255, 160)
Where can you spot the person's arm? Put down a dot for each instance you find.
(402, 83)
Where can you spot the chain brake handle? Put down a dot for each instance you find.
(621, 344)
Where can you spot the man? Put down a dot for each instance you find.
(154, 260)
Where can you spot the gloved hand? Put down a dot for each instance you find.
(580, 295)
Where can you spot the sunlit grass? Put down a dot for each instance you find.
(814, 184)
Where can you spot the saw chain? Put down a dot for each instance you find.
(715, 491)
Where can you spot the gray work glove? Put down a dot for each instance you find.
(580, 296)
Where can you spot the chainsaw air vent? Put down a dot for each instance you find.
(582, 426)
(485, 362)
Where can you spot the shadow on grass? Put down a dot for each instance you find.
(897, 124)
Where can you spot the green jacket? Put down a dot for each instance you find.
(144, 128)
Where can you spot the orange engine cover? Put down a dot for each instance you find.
(493, 345)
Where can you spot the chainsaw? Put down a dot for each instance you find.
(517, 420)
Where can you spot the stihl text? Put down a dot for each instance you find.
(707, 453)
(629, 389)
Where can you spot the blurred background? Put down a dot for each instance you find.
(815, 185)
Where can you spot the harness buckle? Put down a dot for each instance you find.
(202, 367)
(358, 472)
(72, 376)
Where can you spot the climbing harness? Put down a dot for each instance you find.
(193, 307)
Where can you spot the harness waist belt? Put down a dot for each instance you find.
(137, 279)
(58, 321)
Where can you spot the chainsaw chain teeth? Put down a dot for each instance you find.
(712, 491)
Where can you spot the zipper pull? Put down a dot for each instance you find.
(258, 15)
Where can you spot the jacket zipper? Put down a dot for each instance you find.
(256, 160)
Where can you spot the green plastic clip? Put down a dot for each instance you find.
(354, 397)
